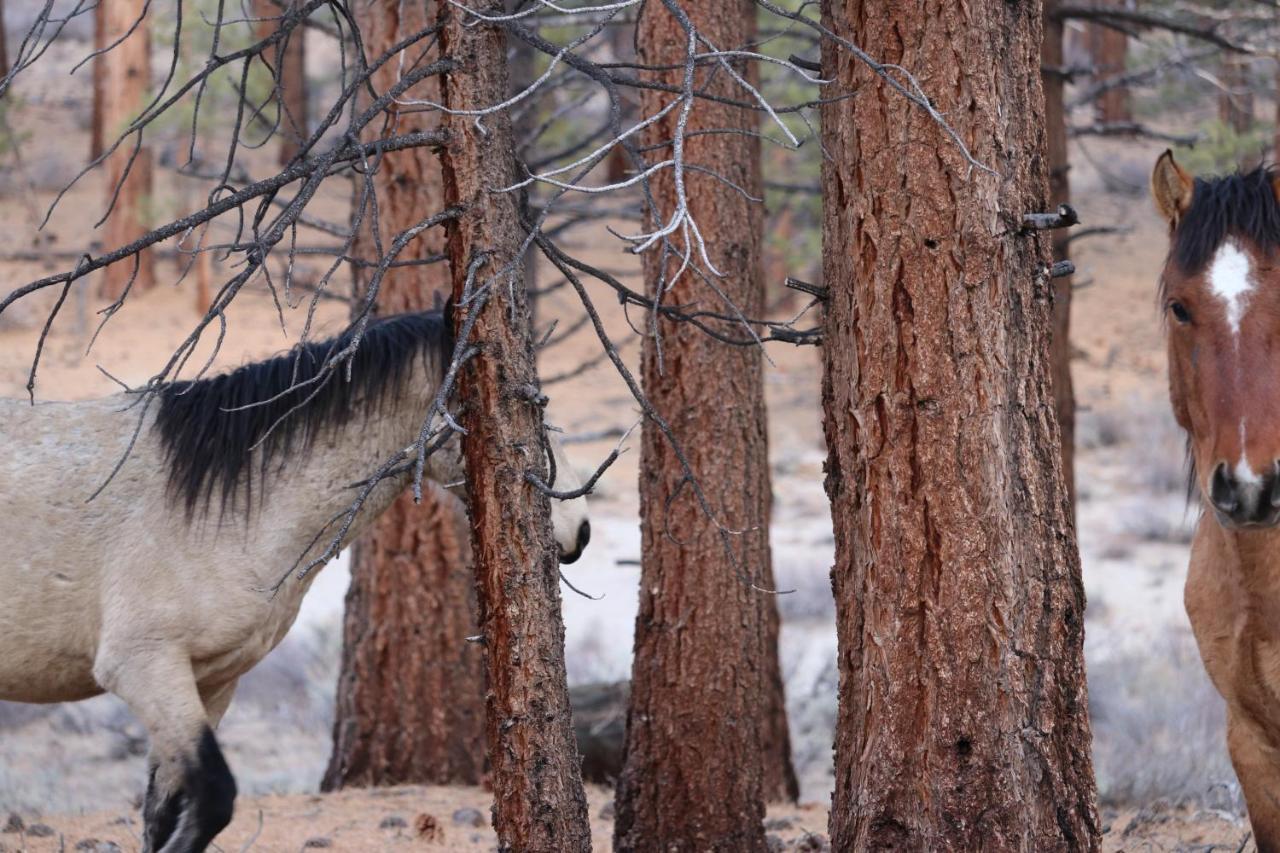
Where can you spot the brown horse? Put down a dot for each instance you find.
(1220, 291)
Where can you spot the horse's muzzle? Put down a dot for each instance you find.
(1245, 502)
(584, 536)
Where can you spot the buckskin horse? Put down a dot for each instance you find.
(167, 587)
(1220, 293)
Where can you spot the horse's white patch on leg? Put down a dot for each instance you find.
(1231, 280)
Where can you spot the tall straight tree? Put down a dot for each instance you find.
(95, 120)
(706, 727)
(539, 803)
(126, 76)
(1109, 47)
(1055, 123)
(290, 69)
(963, 721)
(410, 703)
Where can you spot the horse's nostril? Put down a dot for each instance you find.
(1222, 491)
(584, 535)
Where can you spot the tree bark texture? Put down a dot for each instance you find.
(289, 64)
(1276, 153)
(539, 800)
(4, 43)
(1108, 48)
(963, 721)
(1235, 98)
(95, 120)
(1055, 122)
(706, 733)
(126, 76)
(410, 703)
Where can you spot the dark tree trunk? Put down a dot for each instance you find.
(410, 705)
(1276, 153)
(1235, 99)
(963, 721)
(622, 47)
(126, 73)
(706, 731)
(99, 79)
(539, 801)
(1108, 48)
(4, 43)
(1055, 121)
(289, 60)
(409, 694)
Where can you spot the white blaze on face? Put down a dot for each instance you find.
(1244, 473)
(1231, 280)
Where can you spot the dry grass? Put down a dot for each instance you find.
(1158, 727)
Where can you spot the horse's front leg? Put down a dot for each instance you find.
(1257, 764)
(190, 792)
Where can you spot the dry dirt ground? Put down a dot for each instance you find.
(1157, 724)
(456, 818)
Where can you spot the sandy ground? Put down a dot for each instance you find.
(457, 818)
(79, 770)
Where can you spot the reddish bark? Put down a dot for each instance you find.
(1109, 48)
(963, 721)
(126, 76)
(410, 704)
(1055, 121)
(405, 713)
(1276, 154)
(1235, 98)
(539, 804)
(289, 64)
(706, 733)
(95, 121)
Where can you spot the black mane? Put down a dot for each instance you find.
(208, 436)
(1241, 205)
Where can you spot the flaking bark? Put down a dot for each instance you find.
(410, 705)
(963, 721)
(126, 76)
(706, 734)
(1055, 120)
(539, 805)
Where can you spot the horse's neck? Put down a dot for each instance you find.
(315, 486)
(1251, 560)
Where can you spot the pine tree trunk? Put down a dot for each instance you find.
(95, 121)
(4, 43)
(1055, 120)
(410, 706)
(126, 73)
(1276, 154)
(706, 729)
(289, 61)
(963, 721)
(1235, 98)
(1108, 47)
(539, 803)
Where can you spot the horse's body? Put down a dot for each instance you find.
(1221, 292)
(160, 589)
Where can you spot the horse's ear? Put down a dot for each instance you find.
(1171, 187)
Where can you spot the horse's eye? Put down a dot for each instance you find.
(1180, 312)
